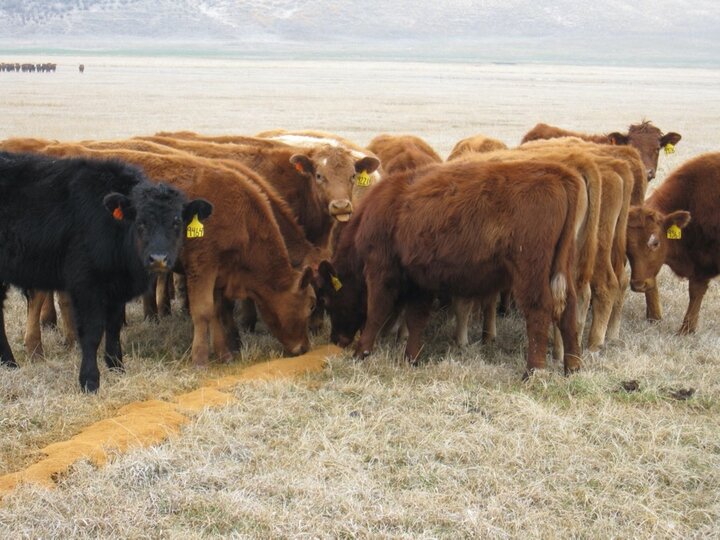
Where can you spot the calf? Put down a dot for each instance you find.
(104, 227)
(240, 254)
(662, 232)
(463, 228)
(646, 138)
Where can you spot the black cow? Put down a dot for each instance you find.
(93, 228)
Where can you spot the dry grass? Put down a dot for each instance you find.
(458, 447)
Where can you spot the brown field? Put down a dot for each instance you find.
(458, 447)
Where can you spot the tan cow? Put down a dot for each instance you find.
(476, 144)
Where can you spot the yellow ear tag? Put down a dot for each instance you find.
(363, 179)
(336, 283)
(674, 232)
(669, 149)
(195, 229)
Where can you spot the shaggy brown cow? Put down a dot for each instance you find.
(240, 254)
(477, 144)
(218, 139)
(645, 137)
(399, 153)
(662, 232)
(316, 182)
(463, 228)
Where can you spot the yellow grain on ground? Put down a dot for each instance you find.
(145, 423)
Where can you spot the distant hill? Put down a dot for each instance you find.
(499, 29)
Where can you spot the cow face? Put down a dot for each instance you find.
(342, 297)
(649, 235)
(648, 140)
(159, 216)
(287, 313)
(333, 171)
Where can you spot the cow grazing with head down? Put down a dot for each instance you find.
(93, 228)
(679, 225)
(399, 153)
(240, 253)
(476, 144)
(463, 228)
(644, 137)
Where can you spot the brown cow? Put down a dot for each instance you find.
(463, 228)
(662, 232)
(477, 144)
(218, 139)
(646, 138)
(316, 182)
(241, 253)
(399, 153)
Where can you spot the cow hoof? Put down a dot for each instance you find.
(9, 364)
(90, 387)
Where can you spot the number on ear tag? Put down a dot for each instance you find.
(336, 283)
(363, 179)
(669, 149)
(674, 232)
(195, 229)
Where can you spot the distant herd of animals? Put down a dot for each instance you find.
(28, 67)
(296, 225)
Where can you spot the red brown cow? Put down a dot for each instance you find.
(463, 228)
(662, 232)
(646, 138)
(316, 182)
(399, 153)
(240, 254)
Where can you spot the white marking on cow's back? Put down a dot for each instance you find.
(305, 141)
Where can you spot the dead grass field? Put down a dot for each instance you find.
(458, 447)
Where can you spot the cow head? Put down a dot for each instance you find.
(287, 311)
(649, 234)
(333, 171)
(159, 216)
(343, 298)
(648, 140)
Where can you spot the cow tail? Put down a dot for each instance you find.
(565, 248)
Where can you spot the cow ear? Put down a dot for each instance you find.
(618, 138)
(119, 206)
(201, 207)
(670, 138)
(327, 279)
(303, 164)
(307, 277)
(680, 219)
(368, 164)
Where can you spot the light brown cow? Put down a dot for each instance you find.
(646, 138)
(241, 252)
(476, 144)
(679, 225)
(316, 182)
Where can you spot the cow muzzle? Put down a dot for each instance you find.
(341, 209)
(158, 262)
(642, 285)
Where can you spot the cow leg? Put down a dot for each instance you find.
(218, 330)
(489, 305)
(697, 290)
(33, 338)
(200, 294)
(584, 296)
(180, 286)
(90, 318)
(113, 324)
(417, 313)
(604, 296)
(462, 308)
(48, 315)
(534, 299)
(382, 293)
(232, 334)
(149, 300)
(558, 346)
(613, 331)
(6, 356)
(248, 315)
(653, 311)
(568, 329)
(68, 318)
(162, 294)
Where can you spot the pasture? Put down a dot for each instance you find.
(457, 447)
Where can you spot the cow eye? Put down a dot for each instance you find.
(319, 177)
(176, 223)
(352, 178)
(140, 227)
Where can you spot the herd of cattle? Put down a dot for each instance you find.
(296, 224)
(10, 66)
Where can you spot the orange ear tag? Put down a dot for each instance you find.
(299, 167)
(118, 213)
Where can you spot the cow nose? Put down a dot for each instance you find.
(341, 205)
(158, 261)
(302, 348)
